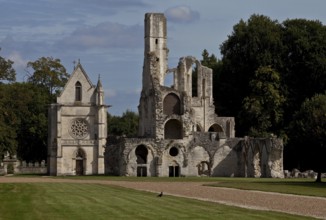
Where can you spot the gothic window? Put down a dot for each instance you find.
(79, 128)
(171, 105)
(173, 129)
(78, 92)
(141, 154)
(215, 128)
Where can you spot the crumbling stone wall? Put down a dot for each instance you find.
(179, 132)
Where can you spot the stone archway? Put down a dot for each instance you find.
(141, 154)
(80, 162)
(173, 129)
(172, 104)
(215, 128)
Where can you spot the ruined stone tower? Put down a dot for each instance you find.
(186, 106)
(179, 132)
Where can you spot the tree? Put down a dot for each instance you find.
(23, 120)
(262, 110)
(126, 125)
(309, 127)
(252, 44)
(304, 69)
(48, 72)
(7, 72)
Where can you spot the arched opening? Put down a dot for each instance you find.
(78, 92)
(174, 169)
(141, 154)
(215, 128)
(171, 105)
(173, 129)
(80, 157)
(204, 168)
(194, 79)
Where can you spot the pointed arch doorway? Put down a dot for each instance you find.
(80, 158)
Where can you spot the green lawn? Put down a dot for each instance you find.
(297, 186)
(97, 201)
(307, 187)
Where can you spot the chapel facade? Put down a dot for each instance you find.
(179, 132)
(77, 128)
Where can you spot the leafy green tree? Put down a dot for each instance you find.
(8, 122)
(48, 72)
(252, 44)
(23, 120)
(262, 110)
(304, 69)
(309, 128)
(7, 72)
(125, 125)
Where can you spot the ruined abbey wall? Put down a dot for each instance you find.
(179, 132)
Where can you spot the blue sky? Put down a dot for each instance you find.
(107, 35)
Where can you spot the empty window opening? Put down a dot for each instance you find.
(194, 79)
(156, 41)
(169, 80)
(78, 92)
(141, 154)
(171, 105)
(215, 128)
(174, 151)
(198, 128)
(173, 129)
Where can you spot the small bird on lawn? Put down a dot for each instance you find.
(160, 195)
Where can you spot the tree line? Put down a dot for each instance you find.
(271, 77)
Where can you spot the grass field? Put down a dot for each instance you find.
(296, 186)
(97, 201)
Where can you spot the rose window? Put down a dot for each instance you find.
(79, 128)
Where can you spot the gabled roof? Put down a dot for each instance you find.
(78, 67)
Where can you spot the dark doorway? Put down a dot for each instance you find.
(174, 171)
(141, 171)
(141, 154)
(79, 167)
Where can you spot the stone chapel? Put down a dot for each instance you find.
(77, 128)
(179, 132)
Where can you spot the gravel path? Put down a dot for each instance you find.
(300, 205)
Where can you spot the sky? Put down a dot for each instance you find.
(107, 36)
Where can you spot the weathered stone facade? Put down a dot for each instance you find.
(77, 128)
(179, 132)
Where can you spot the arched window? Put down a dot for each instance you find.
(173, 129)
(171, 105)
(215, 128)
(78, 92)
(141, 154)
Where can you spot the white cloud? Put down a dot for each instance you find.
(16, 57)
(181, 14)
